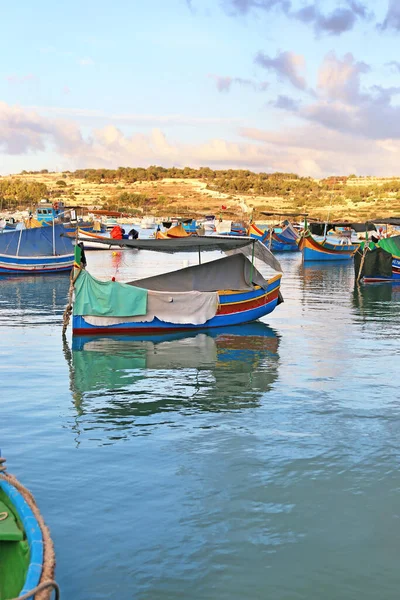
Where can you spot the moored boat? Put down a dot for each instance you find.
(26, 550)
(285, 241)
(36, 250)
(223, 292)
(378, 262)
(314, 250)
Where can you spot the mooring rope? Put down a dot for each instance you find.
(68, 309)
(366, 248)
(40, 588)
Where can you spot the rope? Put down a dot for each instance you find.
(40, 588)
(68, 309)
(3, 516)
(366, 248)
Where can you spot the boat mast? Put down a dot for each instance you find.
(54, 240)
(19, 241)
(327, 220)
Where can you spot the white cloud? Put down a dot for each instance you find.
(308, 150)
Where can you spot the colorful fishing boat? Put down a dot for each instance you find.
(223, 292)
(36, 250)
(26, 550)
(314, 250)
(285, 241)
(378, 262)
(49, 212)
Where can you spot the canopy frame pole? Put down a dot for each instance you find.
(19, 241)
(252, 262)
(199, 256)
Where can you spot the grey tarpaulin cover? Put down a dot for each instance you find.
(230, 273)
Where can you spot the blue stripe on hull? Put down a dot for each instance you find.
(17, 265)
(37, 271)
(310, 254)
(250, 295)
(33, 534)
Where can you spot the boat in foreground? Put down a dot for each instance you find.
(26, 550)
(36, 250)
(227, 291)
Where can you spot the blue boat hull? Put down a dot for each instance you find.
(313, 255)
(19, 265)
(324, 251)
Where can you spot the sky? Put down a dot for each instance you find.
(304, 86)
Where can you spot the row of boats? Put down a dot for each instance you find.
(224, 292)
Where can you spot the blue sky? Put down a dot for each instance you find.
(269, 85)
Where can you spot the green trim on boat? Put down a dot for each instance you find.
(14, 551)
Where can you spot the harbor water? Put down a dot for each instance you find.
(255, 462)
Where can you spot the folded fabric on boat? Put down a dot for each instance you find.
(107, 298)
(183, 308)
(230, 273)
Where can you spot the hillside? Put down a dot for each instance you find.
(191, 192)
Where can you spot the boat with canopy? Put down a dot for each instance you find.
(36, 250)
(278, 239)
(341, 248)
(223, 292)
(378, 262)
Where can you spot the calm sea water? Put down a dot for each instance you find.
(257, 462)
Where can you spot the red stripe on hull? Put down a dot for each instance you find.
(228, 309)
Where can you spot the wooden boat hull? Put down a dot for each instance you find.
(324, 251)
(19, 265)
(21, 543)
(235, 307)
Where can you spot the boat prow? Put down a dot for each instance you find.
(26, 550)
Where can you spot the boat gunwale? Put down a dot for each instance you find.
(33, 533)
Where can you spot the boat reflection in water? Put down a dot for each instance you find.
(378, 303)
(32, 300)
(116, 381)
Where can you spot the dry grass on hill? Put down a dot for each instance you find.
(190, 197)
